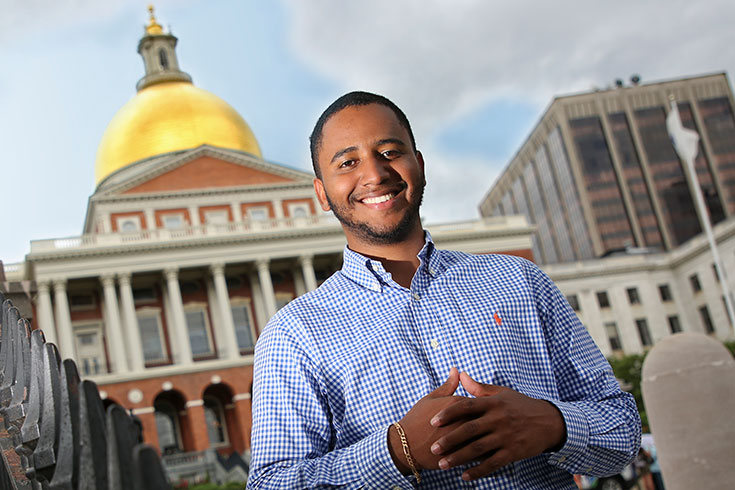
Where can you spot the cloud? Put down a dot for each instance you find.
(441, 59)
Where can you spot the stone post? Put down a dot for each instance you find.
(688, 384)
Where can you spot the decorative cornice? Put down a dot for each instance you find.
(177, 160)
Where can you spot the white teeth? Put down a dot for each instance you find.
(378, 200)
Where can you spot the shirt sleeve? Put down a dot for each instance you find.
(602, 421)
(293, 439)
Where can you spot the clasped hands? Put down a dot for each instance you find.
(495, 428)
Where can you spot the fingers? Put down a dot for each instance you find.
(476, 389)
(489, 465)
(464, 408)
(476, 450)
(449, 386)
(469, 437)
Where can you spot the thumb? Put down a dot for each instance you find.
(449, 386)
(475, 388)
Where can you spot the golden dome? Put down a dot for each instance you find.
(167, 117)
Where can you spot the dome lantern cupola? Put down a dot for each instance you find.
(158, 50)
(168, 114)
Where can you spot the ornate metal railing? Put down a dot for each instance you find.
(54, 425)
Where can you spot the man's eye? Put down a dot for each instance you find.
(390, 154)
(347, 164)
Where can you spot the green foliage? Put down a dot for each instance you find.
(730, 344)
(628, 369)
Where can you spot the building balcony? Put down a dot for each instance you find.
(164, 235)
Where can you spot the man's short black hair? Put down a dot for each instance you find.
(351, 99)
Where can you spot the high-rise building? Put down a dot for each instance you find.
(191, 242)
(598, 173)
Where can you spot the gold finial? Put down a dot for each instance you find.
(153, 27)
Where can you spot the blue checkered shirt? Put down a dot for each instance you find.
(335, 367)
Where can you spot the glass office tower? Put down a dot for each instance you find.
(599, 173)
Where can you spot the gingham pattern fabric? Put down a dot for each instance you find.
(335, 367)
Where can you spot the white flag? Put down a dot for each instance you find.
(686, 141)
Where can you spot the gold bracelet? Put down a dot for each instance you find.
(406, 452)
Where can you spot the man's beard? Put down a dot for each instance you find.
(378, 236)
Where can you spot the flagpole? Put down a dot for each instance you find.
(701, 207)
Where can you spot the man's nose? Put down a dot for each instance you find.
(375, 170)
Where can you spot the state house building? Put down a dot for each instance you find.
(191, 242)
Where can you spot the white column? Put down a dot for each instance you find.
(106, 223)
(266, 287)
(180, 332)
(194, 216)
(278, 208)
(116, 343)
(63, 320)
(307, 269)
(150, 219)
(130, 321)
(46, 312)
(223, 302)
(260, 315)
(236, 212)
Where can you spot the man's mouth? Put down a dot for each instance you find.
(378, 199)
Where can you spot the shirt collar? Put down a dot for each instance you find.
(370, 273)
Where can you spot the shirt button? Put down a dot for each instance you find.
(562, 459)
(416, 296)
(432, 272)
(434, 343)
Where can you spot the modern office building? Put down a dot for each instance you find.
(616, 227)
(190, 243)
(599, 173)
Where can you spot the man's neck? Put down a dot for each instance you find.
(400, 259)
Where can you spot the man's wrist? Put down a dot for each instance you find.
(396, 451)
(558, 429)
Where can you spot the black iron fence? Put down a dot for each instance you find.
(54, 430)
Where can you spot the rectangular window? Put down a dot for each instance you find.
(151, 338)
(674, 325)
(81, 301)
(665, 292)
(643, 332)
(144, 295)
(573, 301)
(694, 281)
(216, 217)
(243, 329)
(602, 299)
(715, 272)
(282, 299)
(613, 336)
(196, 324)
(90, 350)
(173, 221)
(258, 213)
(633, 296)
(706, 320)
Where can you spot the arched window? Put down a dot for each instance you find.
(167, 425)
(163, 58)
(214, 415)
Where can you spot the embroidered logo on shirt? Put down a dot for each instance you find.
(498, 319)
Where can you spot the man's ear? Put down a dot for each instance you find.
(420, 159)
(321, 195)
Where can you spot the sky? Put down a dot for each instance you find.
(473, 76)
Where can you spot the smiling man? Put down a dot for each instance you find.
(358, 383)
